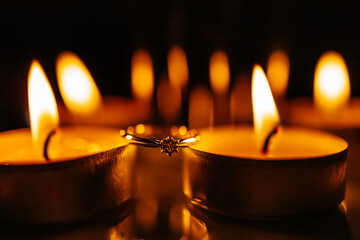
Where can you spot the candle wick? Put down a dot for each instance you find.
(46, 144)
(267, 139)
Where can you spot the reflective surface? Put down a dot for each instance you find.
(161, 212)
(67, 191)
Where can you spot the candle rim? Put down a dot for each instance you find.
(66, 161)
(267, 158)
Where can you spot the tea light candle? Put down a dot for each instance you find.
(87, 173)
(301, 172)
(331, 107)
(87, 176)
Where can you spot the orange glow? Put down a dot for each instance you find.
(77, 87)
(186, 221)
(169, 101)
(182, 130)
(331, 83)
(278, 72)
(142, 76)
(177, 67)
(146, 212)
(175, 217)
(42, 105)
(219, 72)
(265, 114)
(140, 128)
(240, 99)
(200, 108)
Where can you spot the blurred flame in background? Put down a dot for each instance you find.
(331, 83)
(77, 87)
(278, 68)
(177, 67)
(219, 72)
(142, 75)
(43, 110)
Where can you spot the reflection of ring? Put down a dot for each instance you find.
(168, 145)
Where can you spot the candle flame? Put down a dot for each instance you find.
(142, 76)
(177, 67)
(266, 117)
(278, 72)
(219, 72)
(42, 105)
(331, 83)
(77, 87)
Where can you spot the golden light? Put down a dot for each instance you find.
(142, 76)
(265, 114)
(140, 129)
(169, 101)
(186, 221)
(183, 130)
(77, 87)
(177, 67)
(146, 212)
(175, 217)
(42, 105)
(219, 72)
(278, 67)
(201, 108)
(331, 83)
(240, 99)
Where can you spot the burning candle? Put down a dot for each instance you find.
(84, 172)
(83, 101)
(265, 172)
(219, 73)
(331, 107)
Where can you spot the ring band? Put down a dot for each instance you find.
(167, 145)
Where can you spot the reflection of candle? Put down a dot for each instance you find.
(332, 107)
(83, 100)
(302, 172)
(324, 226)
(78, 180)
(157, 179)
(219, 73)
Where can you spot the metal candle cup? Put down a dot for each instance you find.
(304, 173)
(33, 191)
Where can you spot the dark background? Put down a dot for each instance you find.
(106, 33)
